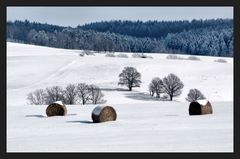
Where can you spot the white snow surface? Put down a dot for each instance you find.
(59, 102)
(97, 110)
(144, 124)
(203, 102)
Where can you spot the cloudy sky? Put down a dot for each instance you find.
(73, 16)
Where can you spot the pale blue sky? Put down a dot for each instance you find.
(73, 16)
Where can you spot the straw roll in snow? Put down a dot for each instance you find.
(56, 109)
(206, 106)
(200, 107)
(103, 114)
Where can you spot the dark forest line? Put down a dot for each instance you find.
(196, 37)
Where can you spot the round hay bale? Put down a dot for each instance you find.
(56, 109)
(206, 106)
(195, 108)
(103, 114)
(200, 107)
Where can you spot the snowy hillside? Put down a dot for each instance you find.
(143, 124)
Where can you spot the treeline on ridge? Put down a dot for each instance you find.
(196, 37)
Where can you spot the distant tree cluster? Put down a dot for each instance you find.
(170, 85)
(196, 37)
(221, 60)
(213, 42)
(176, 57)
(72, 94)
(154, 29)
(76, 38)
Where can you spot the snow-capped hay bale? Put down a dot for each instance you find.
(103, 114)
(206, 106)
(200, 107)
(56, 109)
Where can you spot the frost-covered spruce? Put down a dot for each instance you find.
(56, 109)
(200, 107)
(103, 114)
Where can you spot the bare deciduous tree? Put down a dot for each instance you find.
(83, 92)
(37, 97)
(172, 85)
(194, 95)
(70, 94)
(54, 94)
(130, 77)
(156, 86)
(95, 94)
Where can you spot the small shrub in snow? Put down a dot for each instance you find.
(194, 95)
(81, 54)
(194, 58)
(143, 56)
(146, 56)
(110, 55)
(88, 52)
(136, 55)
(122, 55)
(91, 53)
(221, 60)
(150, 57)
(140, 55)
(174, 57)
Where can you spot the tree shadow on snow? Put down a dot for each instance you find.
(171, 115)
(37, 116)
(71, 114)
(114, 89)
(81, 121)
(141, 96)
(42, 116)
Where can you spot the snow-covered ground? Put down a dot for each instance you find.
(143, 124)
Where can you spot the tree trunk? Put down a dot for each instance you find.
(83, 101)
(171, 97)
(151, 93)
(130, 88)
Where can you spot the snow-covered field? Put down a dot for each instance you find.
(143, 123)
